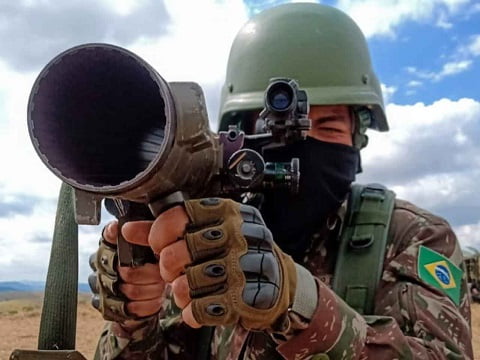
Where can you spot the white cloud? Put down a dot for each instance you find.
(432, 191)
(474, 46)
(17, 242)
(414, 83)
(22, 172)
(388, 92)
(460, 61)
(200, 55)
(411, 69)
(452, 68)
(32, 33)
(183, 55)
(124, 7)
(383, 17)
(31, 236)
(442, 21)
(420, 122)
(469, 235)
(431, 157)
(475, 8)
(448, 69)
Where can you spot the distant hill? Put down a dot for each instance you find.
(32, 286)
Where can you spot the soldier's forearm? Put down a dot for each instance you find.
(143, 341)
(340, 332)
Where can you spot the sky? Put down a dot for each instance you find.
(425, 52)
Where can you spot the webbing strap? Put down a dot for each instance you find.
(59, 312)
(362, 247)
(306, 294)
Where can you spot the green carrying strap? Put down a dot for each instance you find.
(59, 313)
(363, 242)
(56, 338)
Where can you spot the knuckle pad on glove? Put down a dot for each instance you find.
(207, 278)
(106, 260)
(206, 243)
(205, 212)
(262, 267)
(91, 261)
(107, 300)
(251, 214)
(108, 283)
(113, 309)
(213, 310)
(95, 301)
(260, 295)
(258, 283)
(257, 236)
(208, 234)
(93, 282)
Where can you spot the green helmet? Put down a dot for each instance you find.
(317, 45)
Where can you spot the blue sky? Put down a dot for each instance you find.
(425, 52)
(428, 53)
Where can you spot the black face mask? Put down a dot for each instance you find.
(326, 173)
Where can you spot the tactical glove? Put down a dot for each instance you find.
(104, 284)
(238, 273)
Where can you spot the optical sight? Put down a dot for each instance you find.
(280, 96)
(285, 115)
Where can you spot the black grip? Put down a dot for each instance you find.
(129, 254)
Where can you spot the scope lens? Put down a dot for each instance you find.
(280, 97)
(281, 100)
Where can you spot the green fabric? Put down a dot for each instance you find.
(59, 313)
(438, 271)
(362, 245)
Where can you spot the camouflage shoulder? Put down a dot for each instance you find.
(424, 267)
(411, 225)
(404, 207)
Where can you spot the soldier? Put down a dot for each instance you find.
(329, 273)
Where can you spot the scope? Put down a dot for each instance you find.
(280, 96)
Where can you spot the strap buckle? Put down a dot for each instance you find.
(362, 241)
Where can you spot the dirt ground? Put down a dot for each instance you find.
(476, 330)
(20, 319)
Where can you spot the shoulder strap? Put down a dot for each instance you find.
(362, 247)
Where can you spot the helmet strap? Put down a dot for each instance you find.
(363, 119)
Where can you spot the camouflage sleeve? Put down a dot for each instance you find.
(143, 343)
(164, 336)
(422, 303)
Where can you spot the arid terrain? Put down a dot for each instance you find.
(20, 319)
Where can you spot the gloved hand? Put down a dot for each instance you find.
(223, 264)
(123, 294)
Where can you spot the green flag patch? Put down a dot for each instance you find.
(438, 271)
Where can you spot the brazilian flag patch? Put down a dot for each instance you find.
(436, 270)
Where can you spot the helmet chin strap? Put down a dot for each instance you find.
(363, 119)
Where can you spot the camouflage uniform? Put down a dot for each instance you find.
(413, 319)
